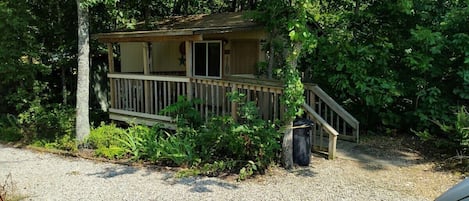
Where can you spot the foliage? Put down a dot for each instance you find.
(46, 122)
(456, 134)
(66, 143)
(140, 141)
(290, 20)
(462, 128)
(18, 55)
(178, 149)
(11, 132)
(393, 65)
(246, 146)
(183, 110)
(252, 142)
(105, 139)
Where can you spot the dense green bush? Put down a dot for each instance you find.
(184, 112)
(177, 149)
(48, 122)
(105, 140)
(396, 66)
(252, 143)
(455, 135)
(11, 132)
(246, 146)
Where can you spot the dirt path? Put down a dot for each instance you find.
(366, 174)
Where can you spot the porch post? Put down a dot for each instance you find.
(110, 57)
(189, 68)
(234, 105)
(146, 71)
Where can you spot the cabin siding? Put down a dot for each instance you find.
(132, 57)
(167, 57)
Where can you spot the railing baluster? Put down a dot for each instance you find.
(206, 101)
(212, 92)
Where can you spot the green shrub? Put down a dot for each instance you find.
(246, 146)
(10, 131)
(48, 122)
(184, 112)
(105, 139)
(454, 133)
(252, 142)
(462, 129)
(179, 149)
(141, 141)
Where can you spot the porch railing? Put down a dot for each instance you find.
(334, 114)
(213, 94)
(144, 96)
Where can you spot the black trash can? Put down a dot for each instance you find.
(302, 141)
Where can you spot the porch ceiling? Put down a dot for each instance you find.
(183, 28)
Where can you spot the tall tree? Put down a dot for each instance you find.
(287, 21)
(83, 84)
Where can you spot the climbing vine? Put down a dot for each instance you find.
(300, 39)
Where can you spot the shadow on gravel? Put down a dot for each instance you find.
(378, 157)
(200, 185)
(303, 172)
(114, 172)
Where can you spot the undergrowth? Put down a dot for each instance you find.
(245, 146)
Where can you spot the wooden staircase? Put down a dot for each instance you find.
(331, 120)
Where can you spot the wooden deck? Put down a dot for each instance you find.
(141, 98)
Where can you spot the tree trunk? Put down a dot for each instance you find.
(287, 146)
(83, 84)
(233, 5)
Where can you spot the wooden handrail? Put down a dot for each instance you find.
(326, 127)
(148, 77)
(319, 120)
(333, 105)
(240, 85)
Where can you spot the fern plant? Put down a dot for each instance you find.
(462, 128)
(184, 112)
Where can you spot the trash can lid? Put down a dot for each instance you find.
(302, 122)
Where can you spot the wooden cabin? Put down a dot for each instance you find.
(206, 57)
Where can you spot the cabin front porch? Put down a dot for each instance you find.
(141, 98)
(206, 57)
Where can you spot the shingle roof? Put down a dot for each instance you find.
(184, 28)
(204, 21)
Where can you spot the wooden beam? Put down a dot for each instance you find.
(332, 146)
(142, 115)
(149, 77)
(188, 46)
(110, 39)
(112, 88)
(148, 122)
(146, 71)
(110, 57)
(146, 67)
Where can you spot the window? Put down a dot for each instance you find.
(207, 59)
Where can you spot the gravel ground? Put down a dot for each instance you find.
(43, 176)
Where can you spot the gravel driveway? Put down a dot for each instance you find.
(43, 176)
